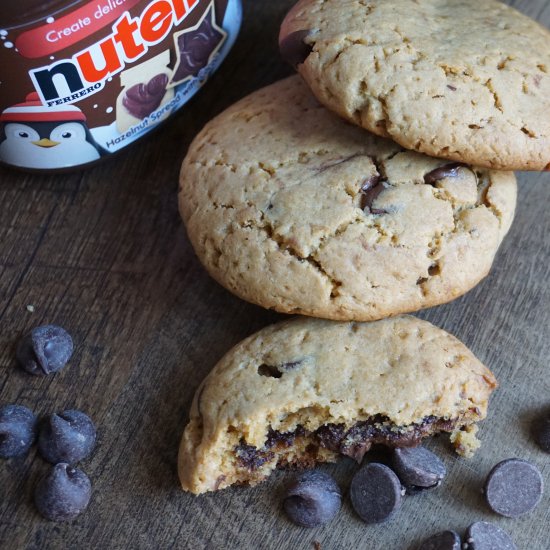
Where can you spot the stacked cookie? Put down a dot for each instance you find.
(296, 199)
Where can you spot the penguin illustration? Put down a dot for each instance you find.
(35, 136)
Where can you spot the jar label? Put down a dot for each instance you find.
(86, 83)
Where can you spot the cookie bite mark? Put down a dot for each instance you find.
(353, 442)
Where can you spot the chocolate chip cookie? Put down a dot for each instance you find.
(459, 79)
(309, 390)
(296, 210)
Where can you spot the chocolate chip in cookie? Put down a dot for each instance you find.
(293, 47)
(447, 171)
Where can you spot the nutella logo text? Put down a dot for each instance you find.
(86, 72)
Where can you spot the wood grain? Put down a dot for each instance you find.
(104, 254)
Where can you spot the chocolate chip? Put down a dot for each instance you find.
(452, 88)
(418, 468)
(67, 437)
(250, 457)
(542, 432)
(447, 171)
(63, 494)
(330, 436)
(375, 493)
(17, 430)
(446, 540)
(358, 440)
(279, 439)
(142, 99)
(312, 499)
(370, 182)
(486, 536)
(514, 487)
(45, 350)
(293, 48)
(370, 196)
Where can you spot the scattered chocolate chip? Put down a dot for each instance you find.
(142, 99)
(63, 494)
(45, 350)
(375, 493)
(447, 171)
(542, 432)
(17, 430)
(195, 48)
(446, 540)
(418, 467)
(370, 196)
(293, 48)
(67, 437)
(486, 536)
(312, 499)
(514, 487)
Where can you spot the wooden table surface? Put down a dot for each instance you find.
(103, 253)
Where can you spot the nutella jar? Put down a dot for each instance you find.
(81, 80)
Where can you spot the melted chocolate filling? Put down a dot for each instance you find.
(355, 442)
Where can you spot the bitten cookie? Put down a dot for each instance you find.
(294, 209)
(307, 390)
(458, 79)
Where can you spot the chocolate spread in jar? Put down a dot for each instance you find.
(83, 79)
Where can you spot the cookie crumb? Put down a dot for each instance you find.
(30, 308)
(316, 545)
(465, 442)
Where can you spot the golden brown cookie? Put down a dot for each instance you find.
(291, 208)
(465, 80)
(308, 390)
